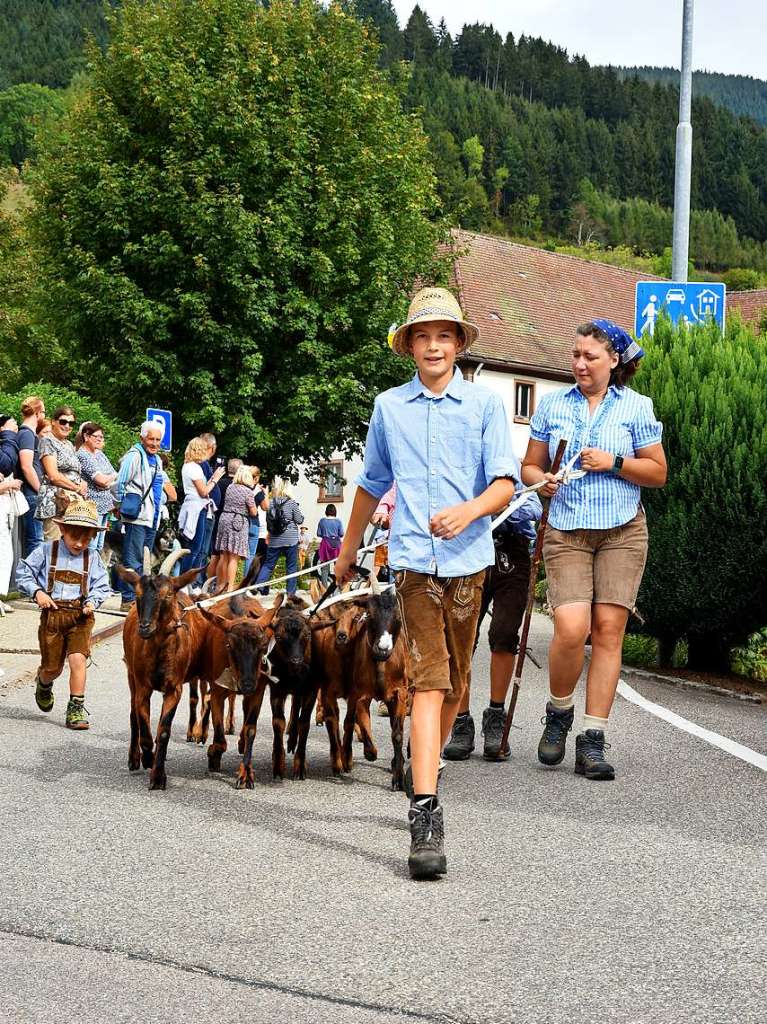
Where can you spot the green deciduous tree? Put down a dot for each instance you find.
(232, 216)
(23, 109)
(705, 577)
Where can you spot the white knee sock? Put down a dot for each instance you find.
(562, 703)
(592, 722)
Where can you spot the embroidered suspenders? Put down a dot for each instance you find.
(69, 576)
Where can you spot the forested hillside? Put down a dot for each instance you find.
(42, 40)
(743, 95)
(526, 140)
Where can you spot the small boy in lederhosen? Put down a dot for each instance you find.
(68, 585)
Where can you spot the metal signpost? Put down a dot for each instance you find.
(684, 302)
(164, 419)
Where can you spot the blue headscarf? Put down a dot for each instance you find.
(621, 341)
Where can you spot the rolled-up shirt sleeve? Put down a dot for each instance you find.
(377, 476)
(498, 457)
(539, 424)
(646, 430)
(98, 582)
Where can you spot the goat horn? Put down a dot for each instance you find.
(375, 587)
(147, 567)
(170, 560)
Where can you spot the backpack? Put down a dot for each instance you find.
(276, 520)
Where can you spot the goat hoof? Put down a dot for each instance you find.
(158, 783)
(147, 760)
(398, 785)
(299, 774)
(371, 754)
(229, 732)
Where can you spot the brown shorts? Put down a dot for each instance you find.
(63, 631)
(440, 618)
(596, 566)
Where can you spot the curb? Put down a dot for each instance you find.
(689, 684)
(96, 638)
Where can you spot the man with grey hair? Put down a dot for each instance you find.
(138, 488)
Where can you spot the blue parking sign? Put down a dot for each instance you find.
(684, 302)
(164, 419)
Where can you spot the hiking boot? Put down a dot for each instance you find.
(590, 761)
(558, 722)
(77, 715)
(461, 742)
(427, 842)
(43, 694)
(493, 723)
(409, 777)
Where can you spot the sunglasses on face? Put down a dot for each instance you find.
(65, 422)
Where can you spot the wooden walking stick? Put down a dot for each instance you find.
(537, 553)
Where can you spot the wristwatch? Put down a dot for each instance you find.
(617, 464)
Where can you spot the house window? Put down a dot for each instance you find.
(331, 481)
(524, 401)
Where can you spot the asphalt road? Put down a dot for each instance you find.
(641, 900)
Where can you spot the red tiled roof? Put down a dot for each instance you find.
(527, 302)
(750, 304)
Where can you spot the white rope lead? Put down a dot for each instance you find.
(564, 476)
(282, 579)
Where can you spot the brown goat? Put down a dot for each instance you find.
(366, 659)
(160, 642)
(238, 645)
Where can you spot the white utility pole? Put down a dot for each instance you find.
(681, 240)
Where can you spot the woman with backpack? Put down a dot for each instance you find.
(283, 517)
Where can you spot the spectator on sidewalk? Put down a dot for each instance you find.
(9, 445)
(98, 473)
(209, 465)
(330, 531)
(8, 485)
(240, 509)
(31, 469)
(138, 489)
(257, 526)
(283, 519)
(197, 510)
(62, 476)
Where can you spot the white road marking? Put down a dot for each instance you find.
(727, 745)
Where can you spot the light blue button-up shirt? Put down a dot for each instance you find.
(32, 574)
(623, 423)
(441, 450)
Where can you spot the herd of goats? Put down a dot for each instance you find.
(353, 649)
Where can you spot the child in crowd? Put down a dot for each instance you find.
(68, 582)
(303, 545)
(447, 445)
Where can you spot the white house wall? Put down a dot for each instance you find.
(307, 493)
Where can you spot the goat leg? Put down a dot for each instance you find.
(251, 707)
(278, 726)
(200, 730)
(194, 700)
(304, 722)
(218, 746)
(229, 730)
(143, 712)
(330, 715)
(397, 705)
(365, 729)
(349, 723)
(134, 750)
(157, 777)
(295, 714)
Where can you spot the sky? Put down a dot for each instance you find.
(727, 36)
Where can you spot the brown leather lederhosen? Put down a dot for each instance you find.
(65, 630)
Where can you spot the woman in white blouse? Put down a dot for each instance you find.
(197, 507)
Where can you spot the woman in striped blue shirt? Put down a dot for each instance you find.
(596, 544)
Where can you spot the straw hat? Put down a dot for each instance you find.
(428, 305)
(80, 512)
